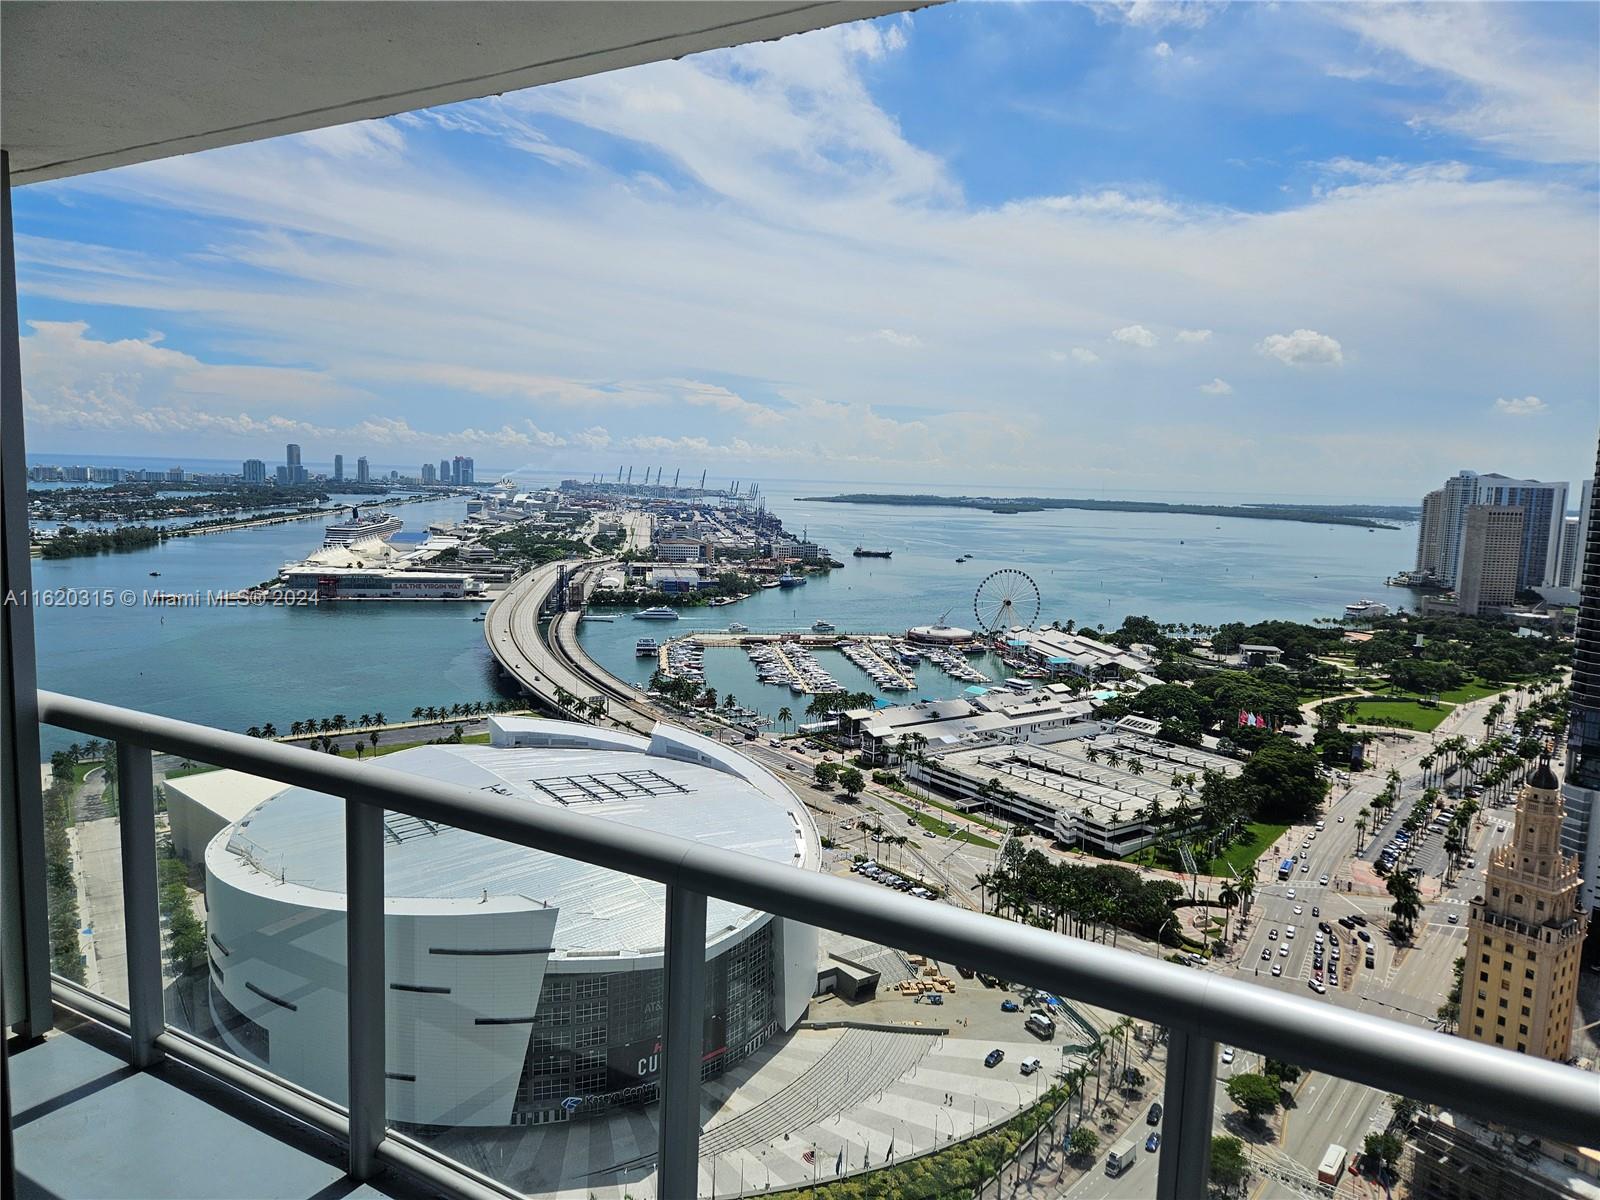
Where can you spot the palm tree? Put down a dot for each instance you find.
(1361, 829)
(373, 738)
(1245, 885)
(1135, 766)
(416, 713)
(377, 719)
(340, 721)
(1227, 897)
(1407, 906)
(785, 716)
(296, 729)
(363, 720)
(254, 731)
(269, 730)
(359, 748)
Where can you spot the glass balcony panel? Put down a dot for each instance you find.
(253, 930)
(84, 866)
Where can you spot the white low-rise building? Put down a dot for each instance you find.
(1063, 653)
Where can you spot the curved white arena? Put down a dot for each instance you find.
(522, 987)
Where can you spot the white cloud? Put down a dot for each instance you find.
(1217, 387)
(1527, 95)
(1193, 337)
(1162, 50)
(1303, 348)
(1157, 14)
(1134, 335)
(907, 341)
(729, 300)
(1521, 406)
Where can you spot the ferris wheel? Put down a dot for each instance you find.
(1006, 599)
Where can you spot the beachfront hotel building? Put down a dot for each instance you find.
(523, 988)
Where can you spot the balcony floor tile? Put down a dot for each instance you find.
(86, 1125)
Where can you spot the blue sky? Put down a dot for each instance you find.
(1339, 250)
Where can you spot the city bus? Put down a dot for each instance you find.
(1286, 868)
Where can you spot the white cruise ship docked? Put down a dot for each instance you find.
(380, 526)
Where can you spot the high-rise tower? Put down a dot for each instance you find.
(1580, 832)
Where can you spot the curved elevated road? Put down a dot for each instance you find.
(545, 664)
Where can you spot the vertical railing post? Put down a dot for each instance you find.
(24, 921)
(1186, 1117)
(364, 974)
(683, 1044)
(141, 905)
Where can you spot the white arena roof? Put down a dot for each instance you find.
(295, 840)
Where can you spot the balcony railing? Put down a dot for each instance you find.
(1199, 1009)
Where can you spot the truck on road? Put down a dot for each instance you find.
(1121, 1157)
(1331, 1169)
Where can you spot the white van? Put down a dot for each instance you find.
(1040, 1025)
(1030, 1065)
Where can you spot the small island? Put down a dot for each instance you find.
(1365, 516)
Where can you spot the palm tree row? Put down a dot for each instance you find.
(340, 723)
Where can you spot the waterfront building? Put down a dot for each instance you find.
(378, 583)
(1491, 551)
(1525, 934)
(255, 471)
(363, 472)
(293, 473)
(429, 474)
(1430, 535)
(516, 996)
(1059, 780)
(679, 550)
(1076, 653)
(444, 470)
(338, 468)
(1544, 508)
(881, 732)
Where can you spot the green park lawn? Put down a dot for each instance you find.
(1414, 715)
(1241, 856)
(940, 829)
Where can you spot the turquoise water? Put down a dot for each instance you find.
(1090, 567)
(237, 667)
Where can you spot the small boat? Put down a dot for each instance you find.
(738, 627)
(481, 616)
(823, 627)
(659, 613)
(646, 647)
(769, 583)
(787, 580)
(155, 574)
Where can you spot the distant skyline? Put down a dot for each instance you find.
(1340, 251)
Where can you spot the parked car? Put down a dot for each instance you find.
(994, 1058)
(1363, 935)
(1227, 1055)
(1453, 918)
(1152, 1143)
(1276, 969)
(1153, 1117)
(1010, 1006)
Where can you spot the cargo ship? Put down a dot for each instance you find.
(860, 553)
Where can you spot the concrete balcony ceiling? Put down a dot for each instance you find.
(94, 85)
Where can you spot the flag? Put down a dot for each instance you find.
(1244, 717)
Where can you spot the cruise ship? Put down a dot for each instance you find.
(659, 613)
(380, 526)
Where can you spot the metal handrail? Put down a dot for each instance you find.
(1200, 1009)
